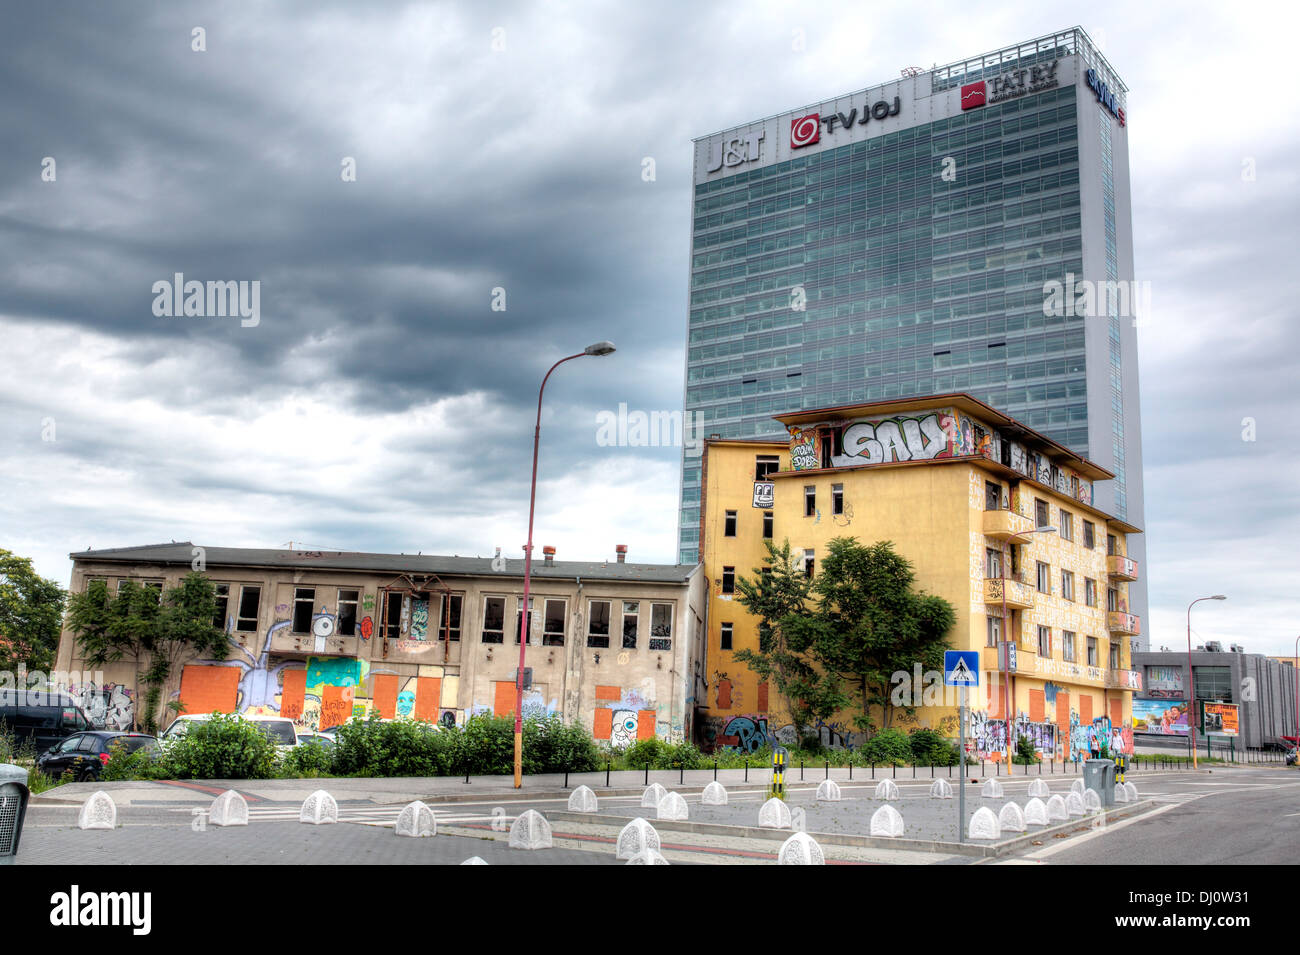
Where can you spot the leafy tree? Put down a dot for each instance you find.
(870, 624)
(156, 632)
(778, 596)
(31, 615)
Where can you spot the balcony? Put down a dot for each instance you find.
(1018, 593)
(1121, 568)
(1001, 524)
(310, 644)
(1124, 680)
(1128, 624)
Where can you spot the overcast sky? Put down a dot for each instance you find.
(381, 403)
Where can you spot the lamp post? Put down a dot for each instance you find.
(1004, 661)
(1191, 679)
(598, 349)
(1296, 658)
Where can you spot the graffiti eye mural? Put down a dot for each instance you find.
(323, 626)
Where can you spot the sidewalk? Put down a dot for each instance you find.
(400, 790)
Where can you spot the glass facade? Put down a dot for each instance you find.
(865, 272)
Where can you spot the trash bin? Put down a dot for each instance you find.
(1099, 776)
(13, 807)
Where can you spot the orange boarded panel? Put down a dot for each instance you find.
(384, 695)
(295, 687)
(609, 693)
(335, 705)
(1085, 709)
(503, 704)
(762, 697)
(1116, 714)
(603, 724)
(210, 689)
(1063, 709)
(1037, 706)
(428, 694)
(645, 724)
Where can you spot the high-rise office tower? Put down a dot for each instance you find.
(964, 228)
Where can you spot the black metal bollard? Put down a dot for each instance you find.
(682, 778)
(801, 770)
(895, 770)
(746, 769)
(932, 768)
(873, 770)
(828, 769)
(566, 779)
(715, 770)
(913, 769)
(606, 774)
(647, 772)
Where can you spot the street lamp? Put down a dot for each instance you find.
(599, 349)
(1191, 679)
(1004, 661)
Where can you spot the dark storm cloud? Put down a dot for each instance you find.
(522, 169)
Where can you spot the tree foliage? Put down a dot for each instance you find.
(870, 624)
(778, 596)
(31, 615)
(154, 631)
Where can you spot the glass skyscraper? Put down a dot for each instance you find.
(965, 228)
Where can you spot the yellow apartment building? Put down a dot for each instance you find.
(993, 516)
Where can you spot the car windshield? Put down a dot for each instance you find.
(281, 731)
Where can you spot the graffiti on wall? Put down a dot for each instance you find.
(259, 686)
(989, 736)
(889, 440)
(108, 707)
(805, 450)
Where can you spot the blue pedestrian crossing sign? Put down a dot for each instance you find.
(961, 668)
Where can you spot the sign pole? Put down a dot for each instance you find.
(961, 788)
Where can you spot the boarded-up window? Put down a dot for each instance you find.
(1085, 709)
(609, 693)
(1116, 714)
(428, 690)
(645, 724)
(503, 702)
(384, 695)
(603, 724)
(1063, 710)
(291, 698)
(210, 689)
(1037, 706)
(335, 705)
(762, 697)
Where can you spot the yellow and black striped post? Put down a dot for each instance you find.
(778, 773)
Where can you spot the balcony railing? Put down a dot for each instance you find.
(1124, 679)
(1001, 524)
(1129, 624)
(332, 646)
(1121, 568)
(1018, 593)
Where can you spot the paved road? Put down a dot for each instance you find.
(1237, 817)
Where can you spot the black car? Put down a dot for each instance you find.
(87, 753)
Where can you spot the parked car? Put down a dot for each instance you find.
(43, 718)
(86, 754)
(281, 730)
(315, 739)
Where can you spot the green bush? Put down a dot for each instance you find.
(222, 747)
(1026, 755)
(374, 747)
(553, 746)
(308, 761)
(144, 763)
(645, 751)
(930, 748)
(887, 748)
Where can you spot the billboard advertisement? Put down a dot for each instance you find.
(1162, 717)
(1221, 718)
(1165, 682)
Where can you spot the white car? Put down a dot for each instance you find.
(281, 730)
